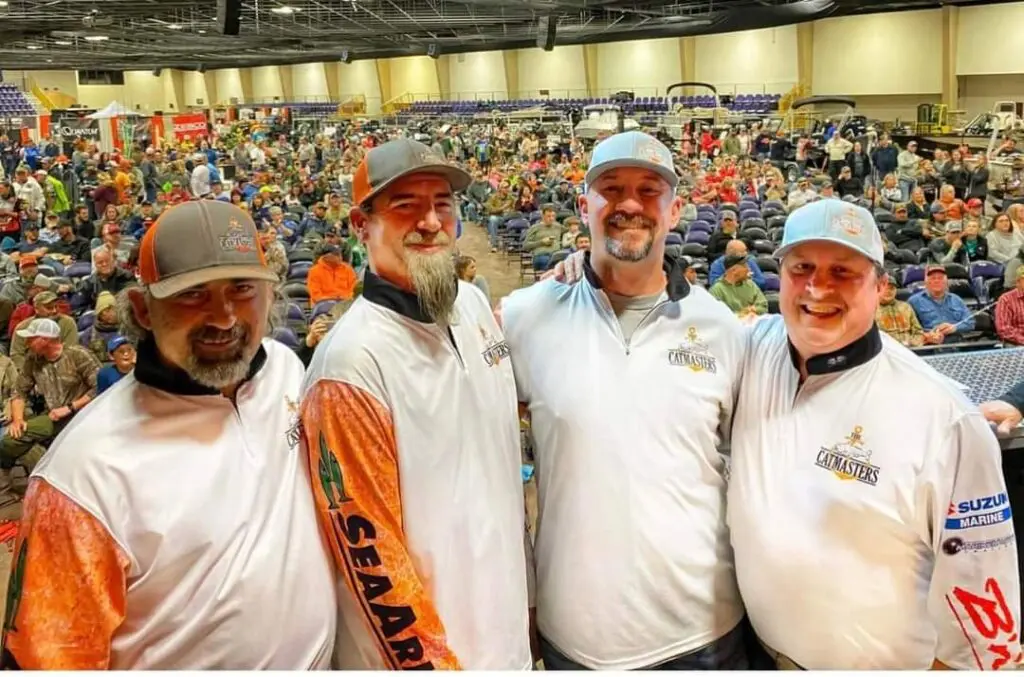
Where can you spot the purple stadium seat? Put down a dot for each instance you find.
(698, 236)
(771, 282)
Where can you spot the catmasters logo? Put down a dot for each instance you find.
(693, 353)
(237, 239)
(495, 351)
(849, 460)
(294, 432)
(978, 512)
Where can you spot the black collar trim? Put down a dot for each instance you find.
(677, 286)
(861, 351)
(387, 295)
(151, 370)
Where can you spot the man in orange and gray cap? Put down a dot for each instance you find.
(412, 438)
(155, 531)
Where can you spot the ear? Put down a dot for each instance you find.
(581, 202)
(140, 308)
(360, 222)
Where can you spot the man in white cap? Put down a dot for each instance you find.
(171, 525)
(65, 377)
(411, 432)
(868, 511)
(634, 568)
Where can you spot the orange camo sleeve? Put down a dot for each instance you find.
(353, 459)
(66, 594)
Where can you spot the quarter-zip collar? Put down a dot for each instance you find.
(677, 287)
(852, 355)
(385, 294)
(152, 371)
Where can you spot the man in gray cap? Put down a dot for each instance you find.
(411, 430)
(156, 529)
(866, 494)
(634, 568)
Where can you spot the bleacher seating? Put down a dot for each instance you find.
(13, 101)
(743, 103)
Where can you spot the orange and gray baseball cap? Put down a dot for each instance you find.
(389, 162)
(199, 242)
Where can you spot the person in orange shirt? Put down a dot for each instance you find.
(331, 278)
(123, 183)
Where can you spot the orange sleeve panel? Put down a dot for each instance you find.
(353, 460)
(66, 594)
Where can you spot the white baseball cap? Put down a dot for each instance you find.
(833, 221)
(631, 149)
(40, 327)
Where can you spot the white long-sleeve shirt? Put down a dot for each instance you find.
(869, 516)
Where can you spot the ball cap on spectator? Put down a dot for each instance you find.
(105, 300)
(937, 208)
(44, 298)
(27, 262)
(393, 160)
(833, 221)
(973, 203)
(199, 242)
(40, 327)
(116, 342)
(934, 268)
(631, 149)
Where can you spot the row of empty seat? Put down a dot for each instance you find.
(13, 101)
(753, 103)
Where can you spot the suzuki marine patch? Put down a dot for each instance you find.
(979, 512)
(849, 460)
(694, 354)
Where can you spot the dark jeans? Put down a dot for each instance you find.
(728, 652)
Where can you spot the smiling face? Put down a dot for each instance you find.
(629, 211)
(828, 296)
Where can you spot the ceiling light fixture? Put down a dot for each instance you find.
(63, 43)
(201, 31)
(174, 27)
(3, 3)
(33, 47)
(285, 9)
(96, 38)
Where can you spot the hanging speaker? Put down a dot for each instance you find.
(346, 56)
(546, 27)
(229, 16)
(433, 50)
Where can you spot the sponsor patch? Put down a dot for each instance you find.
(849, 459)
(978, 512)
(957, 545)
(694, 354)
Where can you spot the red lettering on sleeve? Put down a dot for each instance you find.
(991, 617)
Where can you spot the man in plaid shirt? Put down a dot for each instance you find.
(896, 318)
(1010, 313)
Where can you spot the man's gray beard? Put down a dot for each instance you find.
(222, 373)
(433, 280)
(621, 252)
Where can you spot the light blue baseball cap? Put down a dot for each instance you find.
(632, 149)
(833, 221)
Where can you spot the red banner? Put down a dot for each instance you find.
(190, 126)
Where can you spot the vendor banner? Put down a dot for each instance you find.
(70, 127)
(190, 126)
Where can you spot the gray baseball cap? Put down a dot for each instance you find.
(833, 221)
(40, 327)
(632, 149)
(198, 242)
(389, 162)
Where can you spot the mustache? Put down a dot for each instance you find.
(416, 237)
(623, 220)
(239, 331)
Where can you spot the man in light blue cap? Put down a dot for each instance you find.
(866, 502)
(634, 568)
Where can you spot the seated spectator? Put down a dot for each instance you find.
(104, 327)
(314, 221)
(48, 233)
(943, 316)
(318, 329)
(286, 229)
(465, 269)
(689, 272)
(274, 251)
(331, 278)
(122, 352)
(736, 290)
(950, 247)
(939, 221)
(111, 236)
(9, 256)
(848, 184)
(16, 291)
(45, 305)
(526, 202)
(801, 195)
(543, 239)
(475, 196)
(140, 222)
(896, 318)
(572, 229)
(1004, 241)
(976, 210)
(890, 194)
(1009, 314)
(82, 224)
(582, 243)
(64, 375)
(953, 206)
(735, 248)
(918, 207)
(27, 309)
(975, 245)
(108, 214)
(31, 245)
(69, 247)
(723, 235)
(106, 276)
(827, 191)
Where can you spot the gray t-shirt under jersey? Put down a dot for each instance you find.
(631, 310)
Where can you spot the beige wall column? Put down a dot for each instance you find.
(332, 75)
(510, 57)
(245, 77)
(384, 79)
(687, 63)
(286, 82)
(210, 79)
(178, 88)
(805, 56)
(444, 79)
(950, 25)
(590, 69)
